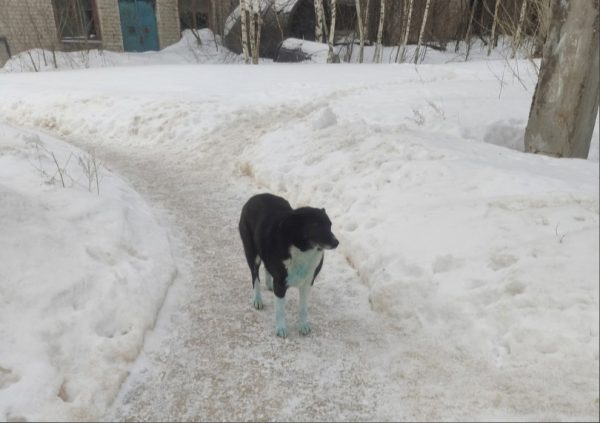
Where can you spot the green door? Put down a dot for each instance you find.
(138, 25)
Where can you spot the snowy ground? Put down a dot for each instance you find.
(466, 283)
(186, 51)
(210, 51)
(83, 276)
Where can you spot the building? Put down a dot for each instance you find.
(118, 25)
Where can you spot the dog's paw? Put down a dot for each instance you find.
(281, 332)
(304, 328)
(258, 303)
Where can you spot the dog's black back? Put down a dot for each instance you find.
(270, 227)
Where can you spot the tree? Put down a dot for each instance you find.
(244, 24)
(255, 30)
(402, 54)
(517, 39)
(423, 23)
(565, 102)
(319, 21)
(331, 56)
(360, 31)
(492, 42)
(469, 28)
(378, 55)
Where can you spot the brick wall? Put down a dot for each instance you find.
(167, 20)
(28, 24)
(110, 24)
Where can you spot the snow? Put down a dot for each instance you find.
(348, 50)
(185, 51)
(481, 257)
(82, 278)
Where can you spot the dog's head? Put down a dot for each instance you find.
(315, 228)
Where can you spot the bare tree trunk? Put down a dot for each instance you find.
(255, 31)
(361, 31)
(244, 24)
(377, 56)
(330, 56)
(494, 23)
(319, 24)
(406, 32)
(469, 28)
(565, 103)
(258, 31)
(251, 11)
(517, 39)
(423, 23)
(213, 23)
(367, 17)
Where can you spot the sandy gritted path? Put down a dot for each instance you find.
(211, 355)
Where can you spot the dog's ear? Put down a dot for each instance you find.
(323, 210)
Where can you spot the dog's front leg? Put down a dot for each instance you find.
(303, 325)
(280, 326)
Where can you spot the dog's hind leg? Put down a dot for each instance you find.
(268, 280)
(257, 301)
(303, 325)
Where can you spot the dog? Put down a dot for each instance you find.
(290, 243)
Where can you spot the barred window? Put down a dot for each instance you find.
(76, 20)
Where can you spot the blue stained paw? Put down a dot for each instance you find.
(258, 304)
(304, 328)
(281, 331)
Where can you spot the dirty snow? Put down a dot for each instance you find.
(482, 259)
(83, 276)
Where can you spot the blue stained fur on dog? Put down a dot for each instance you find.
(280, 326)
(301, 265)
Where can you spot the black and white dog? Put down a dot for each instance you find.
(290, 244)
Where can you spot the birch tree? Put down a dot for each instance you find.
(402, 54)
(244, 25)
(494, 23)
(377, 56)
(361, 31)
(423, 23)
(255, 30)
(565, 103)
(319, 21)
(330, 56)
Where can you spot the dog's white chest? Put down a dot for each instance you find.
(301, 265)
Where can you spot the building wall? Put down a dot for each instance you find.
(28, 24)
(110, 24)
(167, 20)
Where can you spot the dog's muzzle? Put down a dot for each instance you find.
(333, 244)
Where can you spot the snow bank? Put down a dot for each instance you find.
(185, 51)
(348, 50)
(83, 276)
(480, 247)
(463, 240)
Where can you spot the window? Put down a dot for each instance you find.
(76, 20)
